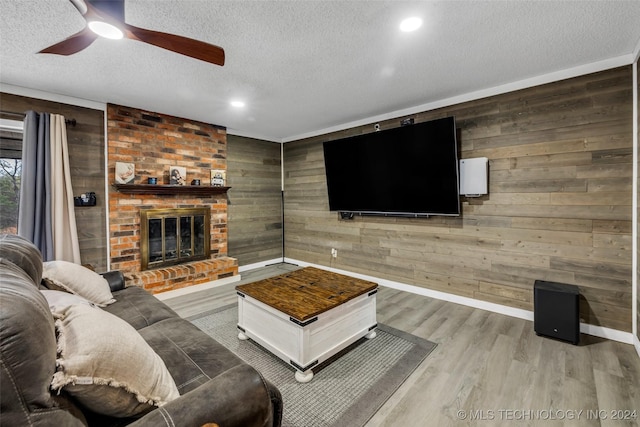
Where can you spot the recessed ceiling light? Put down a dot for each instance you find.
(104, 29)
(237, 104)
(410, 24)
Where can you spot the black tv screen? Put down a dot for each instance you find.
(410, 170)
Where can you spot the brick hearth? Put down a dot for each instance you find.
(154, 142)
(183, 275)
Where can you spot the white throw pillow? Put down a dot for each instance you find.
(58, 301)
(78, 280)
(106, 365)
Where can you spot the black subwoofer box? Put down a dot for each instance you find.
(556, 311)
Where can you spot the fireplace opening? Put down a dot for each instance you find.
(174, 236)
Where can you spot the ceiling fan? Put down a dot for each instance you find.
(106, 18)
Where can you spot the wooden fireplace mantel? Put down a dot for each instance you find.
(161, 189)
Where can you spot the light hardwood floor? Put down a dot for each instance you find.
(488, 369)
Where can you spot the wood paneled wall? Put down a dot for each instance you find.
(559, 206)
(86, 148)
(255, 200)
(638, 139)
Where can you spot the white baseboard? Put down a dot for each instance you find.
(598, 331)
(259, 264)
(197, 288)
(636, 344)
(608, 333)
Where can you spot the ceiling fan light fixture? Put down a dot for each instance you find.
(106, 30)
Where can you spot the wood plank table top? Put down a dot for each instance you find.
(308, 292)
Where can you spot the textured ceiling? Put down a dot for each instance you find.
(304, 67)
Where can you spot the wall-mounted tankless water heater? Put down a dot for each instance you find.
(474, 175)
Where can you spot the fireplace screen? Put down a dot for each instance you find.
(173, 236)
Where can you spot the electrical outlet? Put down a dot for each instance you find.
(334, 252)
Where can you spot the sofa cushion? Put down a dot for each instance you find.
(139, 308)
(191, 356)
(106, 365)
(22, 253)
(79, 280)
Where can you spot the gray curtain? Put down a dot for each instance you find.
(47, 215)
(34, 219)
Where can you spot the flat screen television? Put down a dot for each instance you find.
(411, 170)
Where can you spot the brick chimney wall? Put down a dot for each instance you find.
(153, 142)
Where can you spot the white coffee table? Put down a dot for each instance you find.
(307, 316)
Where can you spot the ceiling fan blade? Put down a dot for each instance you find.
(72, 44)
(178, 44)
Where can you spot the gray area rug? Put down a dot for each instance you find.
(346, 390)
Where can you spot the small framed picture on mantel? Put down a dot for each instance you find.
(218, 177)
(125, 172)
(177, 175)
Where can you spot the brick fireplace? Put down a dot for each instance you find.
(154, 142)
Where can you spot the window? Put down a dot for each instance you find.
(10, 172)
